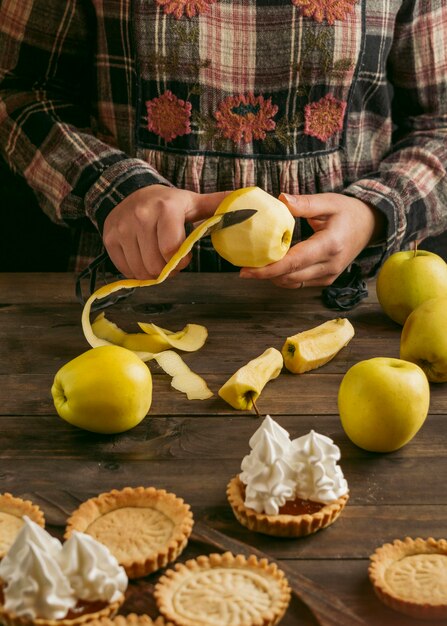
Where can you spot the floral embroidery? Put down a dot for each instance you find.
(189, 7)
(324, 118)
(168, 116)
(329, 10)
(245, 117)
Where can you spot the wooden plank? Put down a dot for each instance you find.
(308, 394)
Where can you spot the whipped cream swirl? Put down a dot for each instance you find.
(318, 478)
(278, 469)
(93, 572)
(45, 579)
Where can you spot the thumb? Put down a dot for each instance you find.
(204, 205)
(306, 205)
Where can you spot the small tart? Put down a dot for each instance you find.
(12, 510)
(410, 576)
(143, 527)
(223, 590)
(281, 525)
(7, 618)
(132, 619)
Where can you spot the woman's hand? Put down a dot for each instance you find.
(343, 226)
(144, 230)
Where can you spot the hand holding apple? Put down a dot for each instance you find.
(424, 338)
(409, 278)
(383, 402)
(104, 390)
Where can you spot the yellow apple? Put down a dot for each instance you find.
(104, 390)
(409, 278)
(424, 338)
(383, 402)
(263, 238)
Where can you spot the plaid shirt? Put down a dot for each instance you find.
(101, 97)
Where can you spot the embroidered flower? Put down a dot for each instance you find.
(245, 117)
(329, 10)
(189, 7)
(168, 116)
(324, 118)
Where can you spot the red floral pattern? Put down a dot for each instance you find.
(168, 116)
(329, 10)
(324, 118)
(245, 117)
(188, 7)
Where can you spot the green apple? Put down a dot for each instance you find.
(383, 402)
(263, 238)
(424, 338)
(104, 390)
(409, 278)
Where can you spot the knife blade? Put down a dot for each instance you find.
(231, 218)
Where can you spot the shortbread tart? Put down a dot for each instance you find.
(297, 519)
(223, 590)
(12, 510)
(410, 576)
(143, 527)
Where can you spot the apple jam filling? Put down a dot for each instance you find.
(300, 507)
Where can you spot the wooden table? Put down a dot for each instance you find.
(193, 448)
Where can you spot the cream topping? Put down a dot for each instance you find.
(93, 572)
(278, 469)
(38, 588)
(45, 579)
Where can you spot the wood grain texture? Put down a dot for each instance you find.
(194, 448)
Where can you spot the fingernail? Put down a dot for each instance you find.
(288, 198)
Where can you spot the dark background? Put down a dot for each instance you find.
(31, 242)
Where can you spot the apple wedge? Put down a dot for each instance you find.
(245, 386)
(313, 348)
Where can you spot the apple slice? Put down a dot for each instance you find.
(263, 238)
(313, 348)
(245, 386)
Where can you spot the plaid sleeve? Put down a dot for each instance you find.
(46, 52)
(410, 187)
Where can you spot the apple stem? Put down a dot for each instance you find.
(255, 407)
(415, 248)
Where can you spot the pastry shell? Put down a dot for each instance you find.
(12, 510)
(145, 528)
(7, 618)
(410, 576)
(281, 525)
(214, 590)
(132, 619)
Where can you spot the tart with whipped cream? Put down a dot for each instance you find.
(288, 488)
(223, 590)
(45, 583)
(143, 527)
(12, 510)
(410, 576)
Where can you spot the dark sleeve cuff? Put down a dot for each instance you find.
(116, 183)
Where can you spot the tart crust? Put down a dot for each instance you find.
(223, 589)
(144, 528)
(132, 619)
(12, 509)
(410, 576)
(7, 618)
(282, 525)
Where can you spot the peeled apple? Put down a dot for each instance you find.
(245, 386)
(315, 347)
(263, 238)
